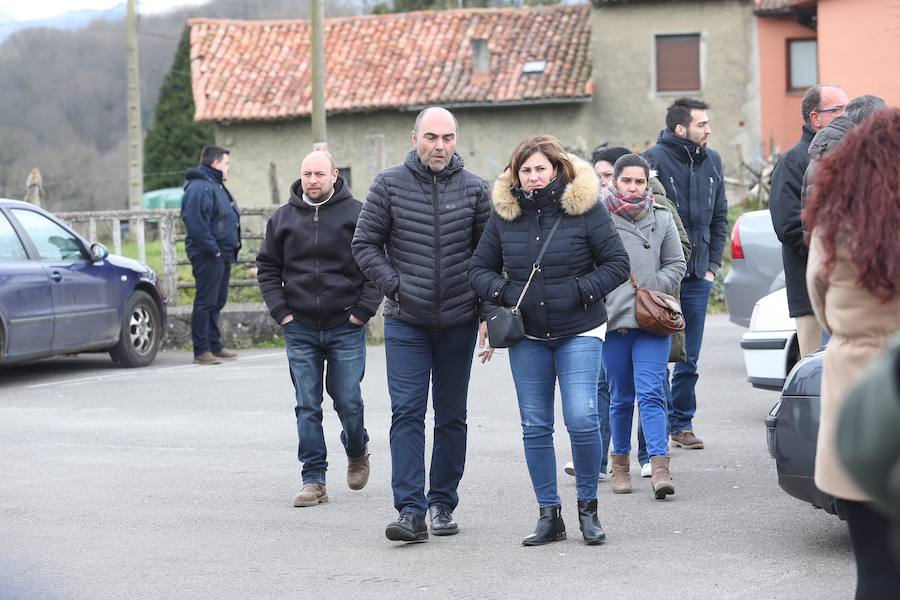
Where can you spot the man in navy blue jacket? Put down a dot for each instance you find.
(692, 176)
(213, 239)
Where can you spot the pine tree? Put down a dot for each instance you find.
(174, 142)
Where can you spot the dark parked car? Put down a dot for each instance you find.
(792, 428)
(60, 294)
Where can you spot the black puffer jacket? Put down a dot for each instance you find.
(305, 267)
(784, 207)
(583, 263)
(693, 180)
(416, 234)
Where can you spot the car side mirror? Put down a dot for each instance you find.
(98, 252)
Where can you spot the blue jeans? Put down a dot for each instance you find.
(536, 366)
(603, 413)
(344, 349)
(635, 364)
(605, 433)
(683, 401)
(417, 356)
(211, 275)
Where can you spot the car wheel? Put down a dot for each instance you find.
(140, 333)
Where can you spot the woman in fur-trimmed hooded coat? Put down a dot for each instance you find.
(563, 312)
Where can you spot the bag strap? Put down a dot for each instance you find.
(537, 263)
(633, 280)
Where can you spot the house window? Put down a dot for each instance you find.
(803, 64)
(345, 173)
(678, 63)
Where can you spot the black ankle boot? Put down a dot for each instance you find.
(589, 523)
(550, 528)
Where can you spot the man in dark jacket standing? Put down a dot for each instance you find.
(322, 301)
(213, 239)
(692, 176)
(821, 104)
(416, 234)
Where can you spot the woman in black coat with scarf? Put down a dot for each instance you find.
(563, 312)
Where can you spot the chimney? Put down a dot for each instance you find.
(481, 60)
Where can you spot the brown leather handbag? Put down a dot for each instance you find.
(657, 313)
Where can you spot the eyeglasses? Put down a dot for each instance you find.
(831, 110)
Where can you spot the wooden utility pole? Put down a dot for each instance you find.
(317, 46)
(135, 138)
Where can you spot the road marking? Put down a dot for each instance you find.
(139, 372)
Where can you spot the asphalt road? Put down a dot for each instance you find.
(176, 481)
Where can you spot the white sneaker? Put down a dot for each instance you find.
(646, 470)
(569, 468)
(602, 476)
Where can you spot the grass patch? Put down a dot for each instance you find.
(154, 255)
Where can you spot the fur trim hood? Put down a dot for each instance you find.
(581, 194)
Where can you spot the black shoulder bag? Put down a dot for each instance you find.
(505, 325)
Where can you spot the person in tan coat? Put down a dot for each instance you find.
(853, 277)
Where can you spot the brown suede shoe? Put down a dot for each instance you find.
(660, 480)
(226, 354)
(621, 474)
(207, 358)
(358, 471)
(686, 439)
(311, 494)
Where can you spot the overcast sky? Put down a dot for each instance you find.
(26, 10)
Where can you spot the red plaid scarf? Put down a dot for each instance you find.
(630, 207)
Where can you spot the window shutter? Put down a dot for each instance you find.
(678, 63)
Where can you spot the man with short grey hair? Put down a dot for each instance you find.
(857, 110)
(416, 234)
(821, 105)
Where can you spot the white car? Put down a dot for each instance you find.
(770, 346)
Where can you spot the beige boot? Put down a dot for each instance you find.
(358, 471)
(621, 475)
(311, 494)
(660, 480)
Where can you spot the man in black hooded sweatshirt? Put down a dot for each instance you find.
(322, 301)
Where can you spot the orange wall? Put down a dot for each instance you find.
(780, 118)
(859, 43)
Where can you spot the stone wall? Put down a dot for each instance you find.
(243, 326)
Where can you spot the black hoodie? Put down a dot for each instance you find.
(305, 267)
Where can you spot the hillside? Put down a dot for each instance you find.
(63, 102)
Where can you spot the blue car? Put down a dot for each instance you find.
(60, 294)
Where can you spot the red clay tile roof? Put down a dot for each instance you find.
(780, 6)
(259, 70)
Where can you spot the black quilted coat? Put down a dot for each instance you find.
(415, 236)
(584, 261)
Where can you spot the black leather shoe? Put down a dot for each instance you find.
(442, 522)
(550, 528)
(589, 523)
(408, 528)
